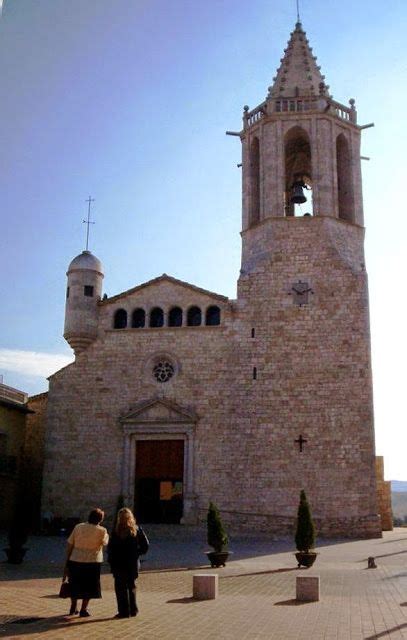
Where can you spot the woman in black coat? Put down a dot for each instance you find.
(127, 543)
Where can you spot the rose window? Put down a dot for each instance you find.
(163, 370)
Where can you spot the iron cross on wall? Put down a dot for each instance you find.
(300, 442)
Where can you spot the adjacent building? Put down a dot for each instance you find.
(13, 413)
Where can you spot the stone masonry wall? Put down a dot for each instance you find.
(34, 449)
(384, 496)
(312, 378)
(88, 397)
(313, 373)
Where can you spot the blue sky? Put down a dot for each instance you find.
(129, 101)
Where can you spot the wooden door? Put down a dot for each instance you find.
(159, 480)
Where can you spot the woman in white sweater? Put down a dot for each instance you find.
(83, 561)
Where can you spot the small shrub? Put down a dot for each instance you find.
(217, 536)
(305, 533)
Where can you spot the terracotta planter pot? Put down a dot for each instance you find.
(217, 558)
(15, 555)
(306, 558)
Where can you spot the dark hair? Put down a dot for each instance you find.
(96, 516)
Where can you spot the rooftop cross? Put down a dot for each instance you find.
(88, 221)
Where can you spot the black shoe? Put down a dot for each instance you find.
(83, 613)
(73, 611)
(120, 615)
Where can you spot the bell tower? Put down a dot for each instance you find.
(300, 147)
(303, 299)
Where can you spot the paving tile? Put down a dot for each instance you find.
(256, 594)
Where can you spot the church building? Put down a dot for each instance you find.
(178, 395)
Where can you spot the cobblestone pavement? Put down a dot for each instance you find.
(256, 593)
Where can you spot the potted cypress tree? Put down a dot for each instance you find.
(305, 534)
(217, 538)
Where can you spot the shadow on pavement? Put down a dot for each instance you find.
(172, 547)
(28, 570)
(186, 600)
(397, 540)
(385, 634)
(200, 567)
(55, 623)
(386, 555)
(290, 603)
(259, 573)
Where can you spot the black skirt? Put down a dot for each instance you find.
(84, 578)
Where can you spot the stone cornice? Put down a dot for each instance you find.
(159, 411)
(164, 278)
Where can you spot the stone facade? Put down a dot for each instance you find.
(270, 393)
(13, 413)
(34, 451)
(384, 496)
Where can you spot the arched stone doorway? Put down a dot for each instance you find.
(158, 461)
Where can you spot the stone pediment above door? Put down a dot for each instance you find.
(159, 412)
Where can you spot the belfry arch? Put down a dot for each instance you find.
(254, 203)
(297, 166)
(346, 204)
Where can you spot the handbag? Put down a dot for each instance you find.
(65, 590)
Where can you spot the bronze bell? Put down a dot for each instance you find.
(298, 194)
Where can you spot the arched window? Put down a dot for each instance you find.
(212, 316)
(175, 317)
(298, 173)
(344, 177)
(138, 319)
(194, 317)
(254, 202)
(120, 319)
(156, 317)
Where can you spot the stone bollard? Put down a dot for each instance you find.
(371, 564)
(307, 588)
(205, 586)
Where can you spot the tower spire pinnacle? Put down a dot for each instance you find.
(298, 74)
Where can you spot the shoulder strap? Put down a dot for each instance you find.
(142, 542)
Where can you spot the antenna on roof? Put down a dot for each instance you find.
(298, 11)
(88, 221)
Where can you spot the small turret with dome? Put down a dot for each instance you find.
(84, 290)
